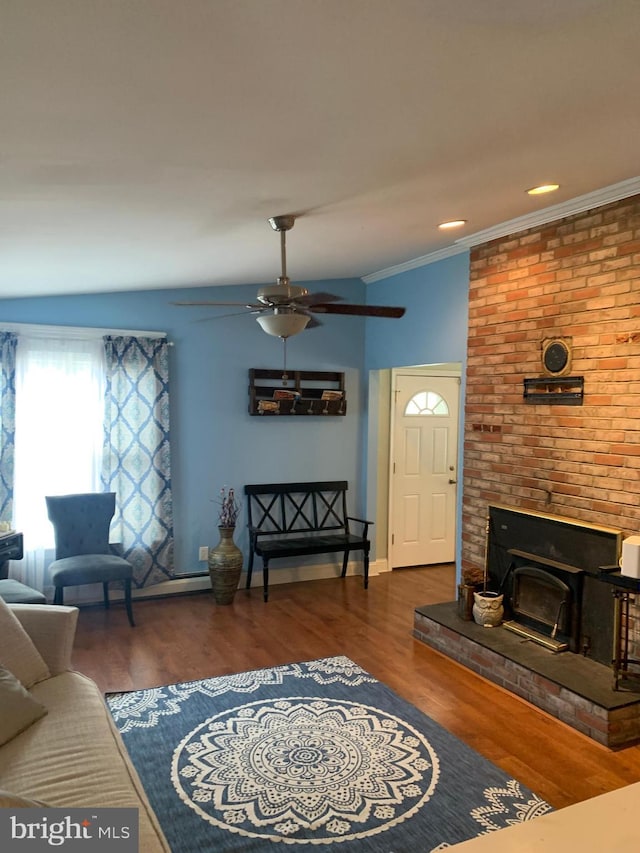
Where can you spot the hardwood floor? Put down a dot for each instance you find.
(190, 637)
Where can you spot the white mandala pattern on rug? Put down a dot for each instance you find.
(142, 709)
(508, 806)
(304, 770)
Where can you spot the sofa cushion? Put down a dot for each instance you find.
(19, 708)
(17, 651)
(74, 757)
(15, 801)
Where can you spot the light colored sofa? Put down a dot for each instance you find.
(71, 754)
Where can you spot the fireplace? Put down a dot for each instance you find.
(543, 603)
(547, 567)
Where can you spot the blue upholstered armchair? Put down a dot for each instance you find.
(81, 527)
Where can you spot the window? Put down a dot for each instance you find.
(59, 432)
(91, 414)
(427, 403)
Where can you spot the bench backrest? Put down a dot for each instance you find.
(279, 508)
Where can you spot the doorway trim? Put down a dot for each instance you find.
(379, 449)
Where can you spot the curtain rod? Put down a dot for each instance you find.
(45, 331)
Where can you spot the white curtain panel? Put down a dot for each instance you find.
(60, 386)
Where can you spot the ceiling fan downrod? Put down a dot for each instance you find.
(282, 224)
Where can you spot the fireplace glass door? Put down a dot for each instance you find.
(542, 601)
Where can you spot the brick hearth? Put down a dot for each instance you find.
(568, 686)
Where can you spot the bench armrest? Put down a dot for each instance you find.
(362, 521)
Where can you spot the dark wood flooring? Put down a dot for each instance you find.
(188, 637)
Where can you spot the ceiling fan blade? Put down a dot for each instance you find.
(216, 304)
(233, 314)
(357, 310)
(316, 298)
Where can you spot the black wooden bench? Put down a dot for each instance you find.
(298, 519)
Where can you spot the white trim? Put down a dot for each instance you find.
(177, 586)
(594, 199)
(39, 330)
(92, 593)
(423, 260)
(452, 368)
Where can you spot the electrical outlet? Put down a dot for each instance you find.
(203, 552)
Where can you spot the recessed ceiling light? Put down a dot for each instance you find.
(453, 223)
(543, 188)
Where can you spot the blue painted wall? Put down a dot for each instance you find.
(215, 441)
(432, 331)
(434, 327)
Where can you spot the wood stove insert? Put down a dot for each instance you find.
(547, 566)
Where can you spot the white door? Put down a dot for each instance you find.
(423, 470)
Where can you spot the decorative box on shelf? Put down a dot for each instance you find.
(298, 392)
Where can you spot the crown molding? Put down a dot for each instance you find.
(597, 198)
(423, 260)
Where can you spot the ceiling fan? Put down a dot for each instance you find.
(285, 309)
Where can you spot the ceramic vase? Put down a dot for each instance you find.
(225, 567)
(488, 608)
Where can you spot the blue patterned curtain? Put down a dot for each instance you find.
(136, 460)
(8, 342)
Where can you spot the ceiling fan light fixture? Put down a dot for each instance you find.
(283, 325)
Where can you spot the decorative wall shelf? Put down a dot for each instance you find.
(300, 393)
(555, 390)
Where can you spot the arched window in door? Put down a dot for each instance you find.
(426, 403)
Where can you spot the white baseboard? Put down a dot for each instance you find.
(296, 574)
(92, 593)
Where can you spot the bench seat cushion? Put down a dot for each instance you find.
(313, 543)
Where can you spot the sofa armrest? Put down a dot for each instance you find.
(52, 629)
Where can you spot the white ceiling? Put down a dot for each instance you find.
(145, 143)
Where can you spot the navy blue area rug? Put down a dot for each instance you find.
(309, 755)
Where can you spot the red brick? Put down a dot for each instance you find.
(572, 278)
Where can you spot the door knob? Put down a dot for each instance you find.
(451, 482)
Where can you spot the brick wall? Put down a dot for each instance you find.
(578, 278)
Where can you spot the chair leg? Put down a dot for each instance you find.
(265, 579)
(127, 602)
(345, 560)
(58, 596)
(366, 569)
(105, 594)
